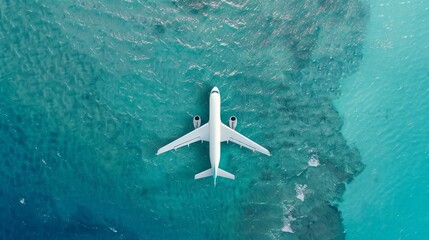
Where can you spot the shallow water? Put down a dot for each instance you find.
(385, 106)
(91, 90)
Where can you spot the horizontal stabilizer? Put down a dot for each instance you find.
(225, 174)
(203, 174)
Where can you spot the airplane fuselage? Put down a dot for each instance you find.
(215, 132)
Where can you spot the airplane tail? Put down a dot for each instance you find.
(209, 172)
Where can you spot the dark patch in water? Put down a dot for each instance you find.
(193, 6)
(322, 222)
(159, 28)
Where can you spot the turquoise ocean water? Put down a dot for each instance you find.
(91, 89)
(385, 106)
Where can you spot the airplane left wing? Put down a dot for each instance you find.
(200, 134)
(229, 134)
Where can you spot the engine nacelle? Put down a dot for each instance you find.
(197, 121)
(232, 122)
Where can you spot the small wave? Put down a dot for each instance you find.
(287, 228)
(313, 161)
(288, 220)
(299, 188)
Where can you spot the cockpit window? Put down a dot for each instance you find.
(214, 91)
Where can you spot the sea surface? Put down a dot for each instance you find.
(385, 107)
(336, 90)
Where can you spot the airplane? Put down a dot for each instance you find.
(215, 132)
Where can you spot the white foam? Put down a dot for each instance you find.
(287, 228)
(299, 189)
(287, 221)
(239, 6)
(313, 161)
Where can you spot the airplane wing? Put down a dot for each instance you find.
(200, 134)
(229, 134)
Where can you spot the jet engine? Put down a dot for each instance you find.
(197, 121)
(232, 122)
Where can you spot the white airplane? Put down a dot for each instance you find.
(215, 132)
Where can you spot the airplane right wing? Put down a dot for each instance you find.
(200, 134)
(229, 134)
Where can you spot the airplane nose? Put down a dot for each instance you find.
(215, 89)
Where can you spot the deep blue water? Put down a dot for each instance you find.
(90, 90)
